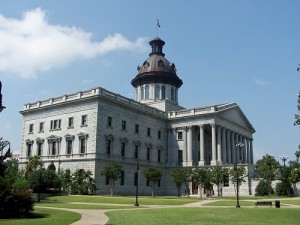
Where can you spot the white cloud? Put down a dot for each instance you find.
(259, 81)
(31, 44)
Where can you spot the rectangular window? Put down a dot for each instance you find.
(82, 145)
(39, 148)
(123, 125)
(179, 135)
(147, 183)
(148, 154)
(136, 130)
(158, 183)
(136, 151)
(159, 134)
(108, 145)
(159, 156)
(69, 146)
(123, 149)
(122, 179)
(30, 128)
(148, 131)
(226, 180)
(106, 180)
(41, 127)
(180, 159)
(54, 147)
(71, 122)
(29, 149)
(55, 124)
(109, 121)
(84, 120)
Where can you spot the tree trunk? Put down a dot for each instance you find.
(112, 184)
(178, 189)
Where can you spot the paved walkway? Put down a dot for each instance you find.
(98, 217)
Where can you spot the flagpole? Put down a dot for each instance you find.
(157, 26)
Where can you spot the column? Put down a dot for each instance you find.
(201, 162)
(237, 155)
(228, 147)
(251, 151)
(233, 158)
(223, 145)
(219, 153)
(190, 146)
(213, 143)
(247, 151)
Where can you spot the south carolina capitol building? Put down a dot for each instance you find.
(89, 129)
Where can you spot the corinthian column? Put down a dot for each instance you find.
(219, 156)
(190, 146)
(213, 143)
(201, 162)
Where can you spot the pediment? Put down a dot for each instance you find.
(236, 115)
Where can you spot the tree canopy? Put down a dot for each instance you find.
(153, 175)
(180, 176)
(112, 172)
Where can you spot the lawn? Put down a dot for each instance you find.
(205, 216)
(143, 200)
(81, 206)
(46, 217)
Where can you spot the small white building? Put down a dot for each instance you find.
(89, 129)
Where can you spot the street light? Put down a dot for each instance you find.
(137, 185)
(239, 147)
(40, 183)
(1, 106)
(284, 158)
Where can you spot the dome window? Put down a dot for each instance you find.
(160, 63)
(146, 64)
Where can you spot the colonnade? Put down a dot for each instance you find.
(215, 145)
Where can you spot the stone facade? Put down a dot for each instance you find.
(89, 129)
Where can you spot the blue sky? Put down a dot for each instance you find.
(225, 51)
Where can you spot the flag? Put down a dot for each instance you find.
(158, 25)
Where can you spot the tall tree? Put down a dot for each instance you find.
(153, 175)
(32, 164)
(267, 167)
(180, 176)
(112, 172)
(83, 183)
(218, 175)
(201, 178)
(238, 175)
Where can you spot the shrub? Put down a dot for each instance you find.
(283, 189)
(263, 188)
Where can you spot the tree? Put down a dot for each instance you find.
(218, 176)
(284, 187)
(267, 167)
(112, 172)
(82, 183)
(180, 176)
(238, 175)
(32, 164)
(153, 175)
(263, 188)
(201, 178)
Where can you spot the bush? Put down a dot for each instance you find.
(283, 189)
(263, 188)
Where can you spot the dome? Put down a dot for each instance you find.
(157, 69)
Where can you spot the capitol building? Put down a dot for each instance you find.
(92, 128)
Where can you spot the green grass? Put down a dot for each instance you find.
(46, 217)
(292, 202)
(144, 200)
(81, 206)
(230, 203)
(205, 216)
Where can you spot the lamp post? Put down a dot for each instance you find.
(239, 147)
(284, 159)
(40, 183)
(1, 106)
(137, 185)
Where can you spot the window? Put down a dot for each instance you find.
(159, 156)
(160, 63)
(29, 149)
(159, 134)
(172, 93)
(142, 93)
(147, 183)
(179, 135)
(41, 127)
(163, 92)
(106, 180)
(55, 124)
(136, 151)
(30, 128)
(148, 131)
(108, 146)
(39, 148)
(148, 154)
(82, 145)
(226, 180)
(69, 146)
(147, 92)
(123, 145)
(122, 178)
(84, 120)
(54, 145)
(157, 91)
(123, 125)
(136, 129)
(71, 122)
(180, 160)
(158, 183)
(54, 148)
(109, 121)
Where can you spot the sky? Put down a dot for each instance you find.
(224, 51)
